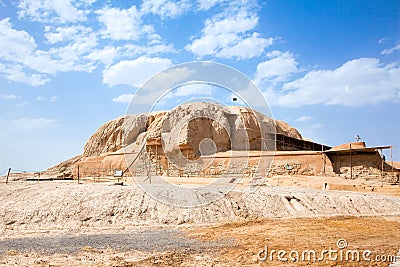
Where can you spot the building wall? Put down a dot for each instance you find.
(361, 164)
(281, 164)
(307, 164)
(367, 165)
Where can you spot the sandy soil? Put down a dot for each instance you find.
(66, 224)
(70, 206)
(378, 234)
(238, 245)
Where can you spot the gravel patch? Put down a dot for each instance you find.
(147, 241)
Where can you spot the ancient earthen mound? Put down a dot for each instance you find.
(195, 129)
(206, 120)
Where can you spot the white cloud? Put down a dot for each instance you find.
(153, 89)
(304, 118)
(207, 4)
(190, 90)
(17, 73)
(357, 82)
(133, 50)
(165, 8)
(9, 97)
(134, 72)
(126, 98)
(14, 43)
(23, 104)
(230, 36)
(122, 24)
(52, 10)
(88, 2)
(278, 67)
(382, 40)
(105, 55)
(73, 47)
(249, 47)
(391, 50)
(70, 57)
(62, 34)
(169, 79)
(51, 99)
(194, 89)
(32, 124)
(24, 63)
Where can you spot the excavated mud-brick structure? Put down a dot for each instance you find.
(235, 141)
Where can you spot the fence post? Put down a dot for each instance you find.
(382, 162)
(351, 163)
(8, 174)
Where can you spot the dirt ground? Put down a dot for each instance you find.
(66, 224)
(240, 243)
(380, 235)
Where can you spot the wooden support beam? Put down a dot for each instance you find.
(391, 157)
(8, 174)
(382, 161)
(351, 164)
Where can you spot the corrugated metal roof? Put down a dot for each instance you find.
(362, 149)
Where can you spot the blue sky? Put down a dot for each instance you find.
(329, 68)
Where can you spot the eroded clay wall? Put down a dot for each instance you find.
(307, 164)
(362, 165)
